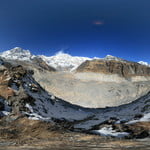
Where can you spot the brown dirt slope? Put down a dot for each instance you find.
(125, 69)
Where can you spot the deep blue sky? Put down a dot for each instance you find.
(79, 27)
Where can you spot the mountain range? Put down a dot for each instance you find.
(60, 61)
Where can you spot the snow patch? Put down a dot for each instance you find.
(35, 116)
(6, 113)
(108, 131)
(29, 107)
(145, 118)
(110, 57)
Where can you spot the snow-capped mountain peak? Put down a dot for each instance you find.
(64, 61)
(110, 57)
(144, 63)
(17, 53)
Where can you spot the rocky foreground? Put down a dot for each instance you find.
(21, 133)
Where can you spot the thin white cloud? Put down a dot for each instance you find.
(98, 22)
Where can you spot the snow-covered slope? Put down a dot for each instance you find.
(62, 61)
(17, 53)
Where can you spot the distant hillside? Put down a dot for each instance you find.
(122, 68)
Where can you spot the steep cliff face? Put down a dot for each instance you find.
(125, 69)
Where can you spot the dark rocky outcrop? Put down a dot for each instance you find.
(42, 64)
(136, 130)
(125, 69)
(1, 106)
(19, 100)
(11, 88)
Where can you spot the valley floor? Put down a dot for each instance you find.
(25, 134)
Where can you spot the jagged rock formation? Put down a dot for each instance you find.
(125, 69)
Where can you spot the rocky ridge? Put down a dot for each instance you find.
(124, 69)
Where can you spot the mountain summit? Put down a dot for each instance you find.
(17, 53)
(63, 61)
(110, 57)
